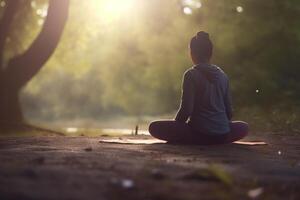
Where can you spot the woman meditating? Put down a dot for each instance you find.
(205, 113)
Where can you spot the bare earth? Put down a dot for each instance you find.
(58, 167)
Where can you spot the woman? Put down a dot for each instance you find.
(205, 113)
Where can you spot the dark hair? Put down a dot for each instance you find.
(201, 46)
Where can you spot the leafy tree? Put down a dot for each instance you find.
(257, 42)
(20, 69)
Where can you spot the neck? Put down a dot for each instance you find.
(198, 63)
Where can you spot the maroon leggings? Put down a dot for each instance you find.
(178, 132)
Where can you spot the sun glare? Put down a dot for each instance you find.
(114, 9)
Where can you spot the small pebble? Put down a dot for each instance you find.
(127, 183)
(88, 149)
(254, 193)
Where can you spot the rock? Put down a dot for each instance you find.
(88, 149)
(127, 183)
(123, 183)
(254, 193)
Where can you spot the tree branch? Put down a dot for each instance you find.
(7, 18)
(25, 66)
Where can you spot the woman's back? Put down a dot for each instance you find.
(212, 107)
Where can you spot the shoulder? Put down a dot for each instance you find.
(219, 68)
(221, 71)
(190, 74)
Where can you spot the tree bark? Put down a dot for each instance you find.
(24, 67)
(5, 23)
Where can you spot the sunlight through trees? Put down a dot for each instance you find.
(128, 56)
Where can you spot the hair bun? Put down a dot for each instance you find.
(201, 47)
(202, 36)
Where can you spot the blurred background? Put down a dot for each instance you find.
(120, 62)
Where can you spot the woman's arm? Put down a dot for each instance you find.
(187, 99)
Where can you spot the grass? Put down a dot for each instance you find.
(276, 120)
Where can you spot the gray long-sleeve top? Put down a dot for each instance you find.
(206, 99)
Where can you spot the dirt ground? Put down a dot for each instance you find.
(58, 167)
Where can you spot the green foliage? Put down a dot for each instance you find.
(211, 173)
(25, 27)
(133, 63)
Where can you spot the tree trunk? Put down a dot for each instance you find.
(10, 109)
(24, 67)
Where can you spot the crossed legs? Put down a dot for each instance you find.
(177, 132)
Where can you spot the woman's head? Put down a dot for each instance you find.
(201, 48)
